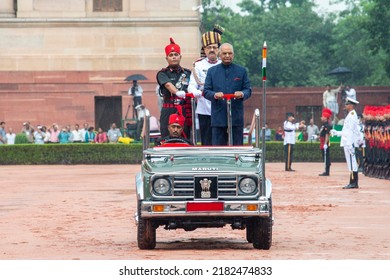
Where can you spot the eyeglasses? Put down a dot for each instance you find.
(212, 48)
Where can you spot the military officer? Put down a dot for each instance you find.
(289, 127)
(324, 139)
(350, 139)
(173, 81)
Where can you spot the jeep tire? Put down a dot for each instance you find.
(146, 233)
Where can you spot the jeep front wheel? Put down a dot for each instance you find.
(146, 233)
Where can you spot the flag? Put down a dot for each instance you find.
(264, 72)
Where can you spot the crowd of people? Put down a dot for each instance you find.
(53, 134)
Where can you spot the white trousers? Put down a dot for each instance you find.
(351, 160)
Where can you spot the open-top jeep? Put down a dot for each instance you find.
(189, 187)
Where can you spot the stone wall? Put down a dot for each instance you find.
(68, 97)
(55, 35)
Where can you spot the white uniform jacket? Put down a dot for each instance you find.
(289, 132)
(200, 69)
(350, 134)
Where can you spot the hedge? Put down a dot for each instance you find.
(71, 154)
(25, 154)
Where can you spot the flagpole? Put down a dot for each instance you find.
(264, 74)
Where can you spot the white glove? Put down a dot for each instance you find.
(334, 132)
(197, 93)
(181, 94)
(325, 147)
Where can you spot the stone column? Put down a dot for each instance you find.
(7, 8)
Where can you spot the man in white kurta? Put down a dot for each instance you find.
(329, 99)
(351, 138)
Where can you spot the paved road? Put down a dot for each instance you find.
(86, 212)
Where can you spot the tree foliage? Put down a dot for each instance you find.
(303, 46)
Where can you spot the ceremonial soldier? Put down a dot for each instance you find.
(324, 139)
(350, 139)
(377, 134)
(289, 127)
(176, 134)
(210, 43)
(173, 81)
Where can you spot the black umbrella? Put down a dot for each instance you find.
(340, 71)
(135, 77)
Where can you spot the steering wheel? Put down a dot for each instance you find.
(178, 140)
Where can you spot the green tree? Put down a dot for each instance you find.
(302, 45)
(377, 23)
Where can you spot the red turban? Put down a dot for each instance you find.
(172, 47)
(175, 118)
(326, 113)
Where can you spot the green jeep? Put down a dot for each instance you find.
(190, 187)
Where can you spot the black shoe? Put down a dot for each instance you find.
(351, 186)
(323, 174)
(290, 170)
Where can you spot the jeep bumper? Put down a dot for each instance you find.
(155, 209)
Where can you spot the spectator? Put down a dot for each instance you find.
(90, 135)
(84, 130)
(113, 134)
(140, 120)
(28, 131)
(3, 134)
(136, 91)
(279, 135)
(268, 133)
(329, 99)
(54, 133)
(350, 92)
(47, 135)
(65, 135)
(39, 135)
(77, 134)
(101, 136)
(312, 131)
(10, 137)
(227, 77)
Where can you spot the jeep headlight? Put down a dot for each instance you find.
(161, 186)
(247, 185)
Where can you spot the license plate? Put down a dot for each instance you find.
(205, 206)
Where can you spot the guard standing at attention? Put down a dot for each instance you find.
(173, 81)
(289, 127)
(350, 139)
(324, 139)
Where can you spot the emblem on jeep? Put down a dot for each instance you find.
(205, 185)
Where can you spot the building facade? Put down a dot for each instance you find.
(57, 57)
(65, 61)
